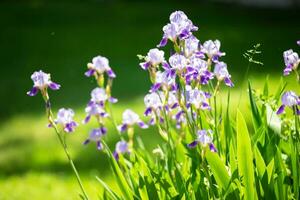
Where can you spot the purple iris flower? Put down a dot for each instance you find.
(121, 147)
(205, 138)
(179, 27)
(178, 62)
(130, 118)
(289, 99)
(94, 109)
(153, 58)
(198, 71)
(99, 95)
(100, 65)
(191, 45)
(212, 50)
(65, 118)
(165, 80)
(291, 61)
(96, 136)
(41, 81)
(222, 73)
(153, 102)
(197, 98)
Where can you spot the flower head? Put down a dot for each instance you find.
(121, 147)
(65, 118)
(96, 136)
(178, 62)
(205, 138)
(94, 109)
(100, 65)
(130, 118)
(153, 58)
(179, 27)
(222, 73)
(165, 80)
(212, 49)
(291, 61)
(197, 98)
(41, 81)
(291, 100)
(191, 45)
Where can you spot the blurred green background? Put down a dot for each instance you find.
(61, 37)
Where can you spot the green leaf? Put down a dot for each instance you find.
(255, 113)
(260, 163)
(245, 158)
(111, 193)
(270, 169)
(218, 169)
(120, 178)
(274, 122)
(232, 158)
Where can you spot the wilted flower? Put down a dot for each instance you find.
(153, 58)
(129, 119)
(121, 147)
(96, 136)
(41, 81)
(291, 60)
(180, 27)
(212, 49)
(197, 98)
(65, 118)
(222, 73)
(291, 100)
(100, 65)
(204, 138)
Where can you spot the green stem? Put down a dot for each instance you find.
(216, 120)
(63, 144)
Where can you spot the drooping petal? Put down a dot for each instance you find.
(86, 142)
(193, 144)
(111, 73)
(87, 119)
(116, 155)
(212, 147)
(287, 70)
(99, 145)
(165, 65)
(113, 100)
(54, 86)
(145, 65)
(142, 125)
(228, 82)
(163, 42)
(280, 110)
(122, 128)
(155, 87)
(90, 72)
(148, 111)
(33, 92)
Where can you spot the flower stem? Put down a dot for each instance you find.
(64, 145)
